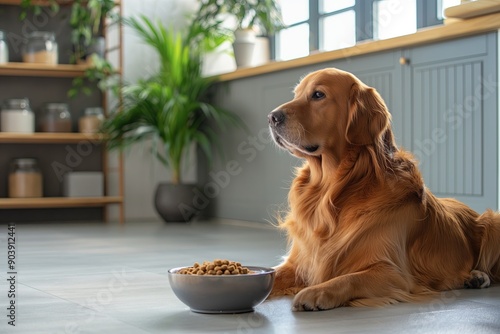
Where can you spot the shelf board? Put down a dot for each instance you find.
(58, 202)
(42, 70)
(41, 2)
(47, 138)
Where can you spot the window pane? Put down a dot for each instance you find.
(394, 18)
(293, 42)
(294, 11)
(327, 6)
(338, 31)
(443, 4)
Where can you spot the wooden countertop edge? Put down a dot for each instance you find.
(449, 31)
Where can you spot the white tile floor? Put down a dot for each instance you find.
(97, 278)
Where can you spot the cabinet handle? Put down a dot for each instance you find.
(404, 61)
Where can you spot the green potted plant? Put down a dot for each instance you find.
(252, 18)
(169, 108)
(85, 21)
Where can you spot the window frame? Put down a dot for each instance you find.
(363, 9)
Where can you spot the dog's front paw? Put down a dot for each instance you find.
(315, 299)
(477, 280)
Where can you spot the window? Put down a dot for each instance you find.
(394, 18)
(293, 42)
(337, 23)
(325, 25)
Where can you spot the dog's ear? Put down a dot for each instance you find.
(368, 115)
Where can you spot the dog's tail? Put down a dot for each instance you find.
(489, 253)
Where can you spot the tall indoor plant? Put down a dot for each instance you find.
(170, 107)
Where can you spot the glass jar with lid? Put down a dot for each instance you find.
(41, 47)
(17, 116)
(4, 50)
(25, 179)
(91, 121)
(55, 118)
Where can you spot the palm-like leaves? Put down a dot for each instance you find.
(169, 107)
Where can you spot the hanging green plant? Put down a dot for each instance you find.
(101, 73)
(28, 6)
(86, 24)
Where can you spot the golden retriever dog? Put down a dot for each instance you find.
(362, 226)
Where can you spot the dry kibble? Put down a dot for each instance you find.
(216, 267)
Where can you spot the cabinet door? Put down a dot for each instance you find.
(453, 128)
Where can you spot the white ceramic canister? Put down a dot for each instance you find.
(17, 116)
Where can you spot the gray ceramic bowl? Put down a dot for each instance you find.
(222, 294)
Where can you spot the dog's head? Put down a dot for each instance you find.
(331, 110)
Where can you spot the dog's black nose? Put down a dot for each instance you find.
(276, 117)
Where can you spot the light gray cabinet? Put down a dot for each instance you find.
(443, 101)
(453, 128)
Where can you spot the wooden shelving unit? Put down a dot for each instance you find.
(42, 70)
(48, 138)
(18, 69)
(58, 202)
(41, 2)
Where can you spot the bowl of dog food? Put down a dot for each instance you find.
(221, 286)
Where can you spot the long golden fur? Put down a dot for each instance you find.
(362, 226)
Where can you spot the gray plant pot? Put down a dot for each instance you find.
(173, 202)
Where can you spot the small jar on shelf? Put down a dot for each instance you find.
(17, 116)
(41, 47)
(55, 118)
(91, 121)
(25, 179)
(4, 50)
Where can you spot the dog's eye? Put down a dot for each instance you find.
(317, 95)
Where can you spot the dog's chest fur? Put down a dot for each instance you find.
(337, 234)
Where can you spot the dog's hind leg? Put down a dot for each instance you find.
(488, 260)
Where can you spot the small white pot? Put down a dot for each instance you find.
(244, 46)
